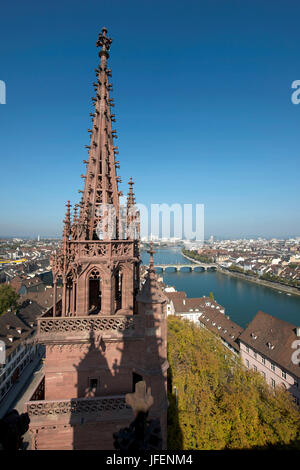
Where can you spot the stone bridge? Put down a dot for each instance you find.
(190, 267)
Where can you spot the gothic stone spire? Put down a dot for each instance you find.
(101, 180)
(99, 260)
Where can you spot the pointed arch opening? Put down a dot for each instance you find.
(94, 292)
(118, 289)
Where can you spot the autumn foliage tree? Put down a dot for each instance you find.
(219, 404)
(8, 298)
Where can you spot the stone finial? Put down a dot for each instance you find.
(151, 253)
(130, 197)
(75, 214)
(67, 220)
(141, 400)
(104, 41)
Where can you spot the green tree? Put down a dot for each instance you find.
(220, 404)
(198, 257)
(8, 298)
(235, 268)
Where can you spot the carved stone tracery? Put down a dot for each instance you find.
(76, 406)
(76, 324)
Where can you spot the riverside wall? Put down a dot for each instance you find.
(255, 280)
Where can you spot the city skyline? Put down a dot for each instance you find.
(221, 86)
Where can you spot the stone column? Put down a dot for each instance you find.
(54, 296)
(64, 298)
(128, 288)
(107, 295)
(73, 298)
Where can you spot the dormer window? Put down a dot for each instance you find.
(254, 336)
(213, 323)
(19, 330)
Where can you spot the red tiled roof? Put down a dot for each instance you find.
(266, 331)
(220, 324)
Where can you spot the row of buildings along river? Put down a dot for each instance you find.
(258, 323)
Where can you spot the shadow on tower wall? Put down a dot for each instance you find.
(108, 369)
(175, 436)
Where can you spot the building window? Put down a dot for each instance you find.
(273, 383)
(247, 363)
(118, 289)
(255, 368)
(263, 360)
(93, 385)
(283, 374)
(255, 355)
(94, 291)
(263, 374)
(273, 367)
(247, 349)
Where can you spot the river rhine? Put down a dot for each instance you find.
(241, 299)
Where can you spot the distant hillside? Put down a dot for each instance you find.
(220, 405)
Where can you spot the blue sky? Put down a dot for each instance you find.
(203, 105)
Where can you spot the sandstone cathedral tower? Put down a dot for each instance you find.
(107, 332)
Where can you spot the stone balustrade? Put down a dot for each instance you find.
(39, 393)
(56, 329)
(79, 409)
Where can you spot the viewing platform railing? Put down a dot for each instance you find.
(79, 409)
(57, 329)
